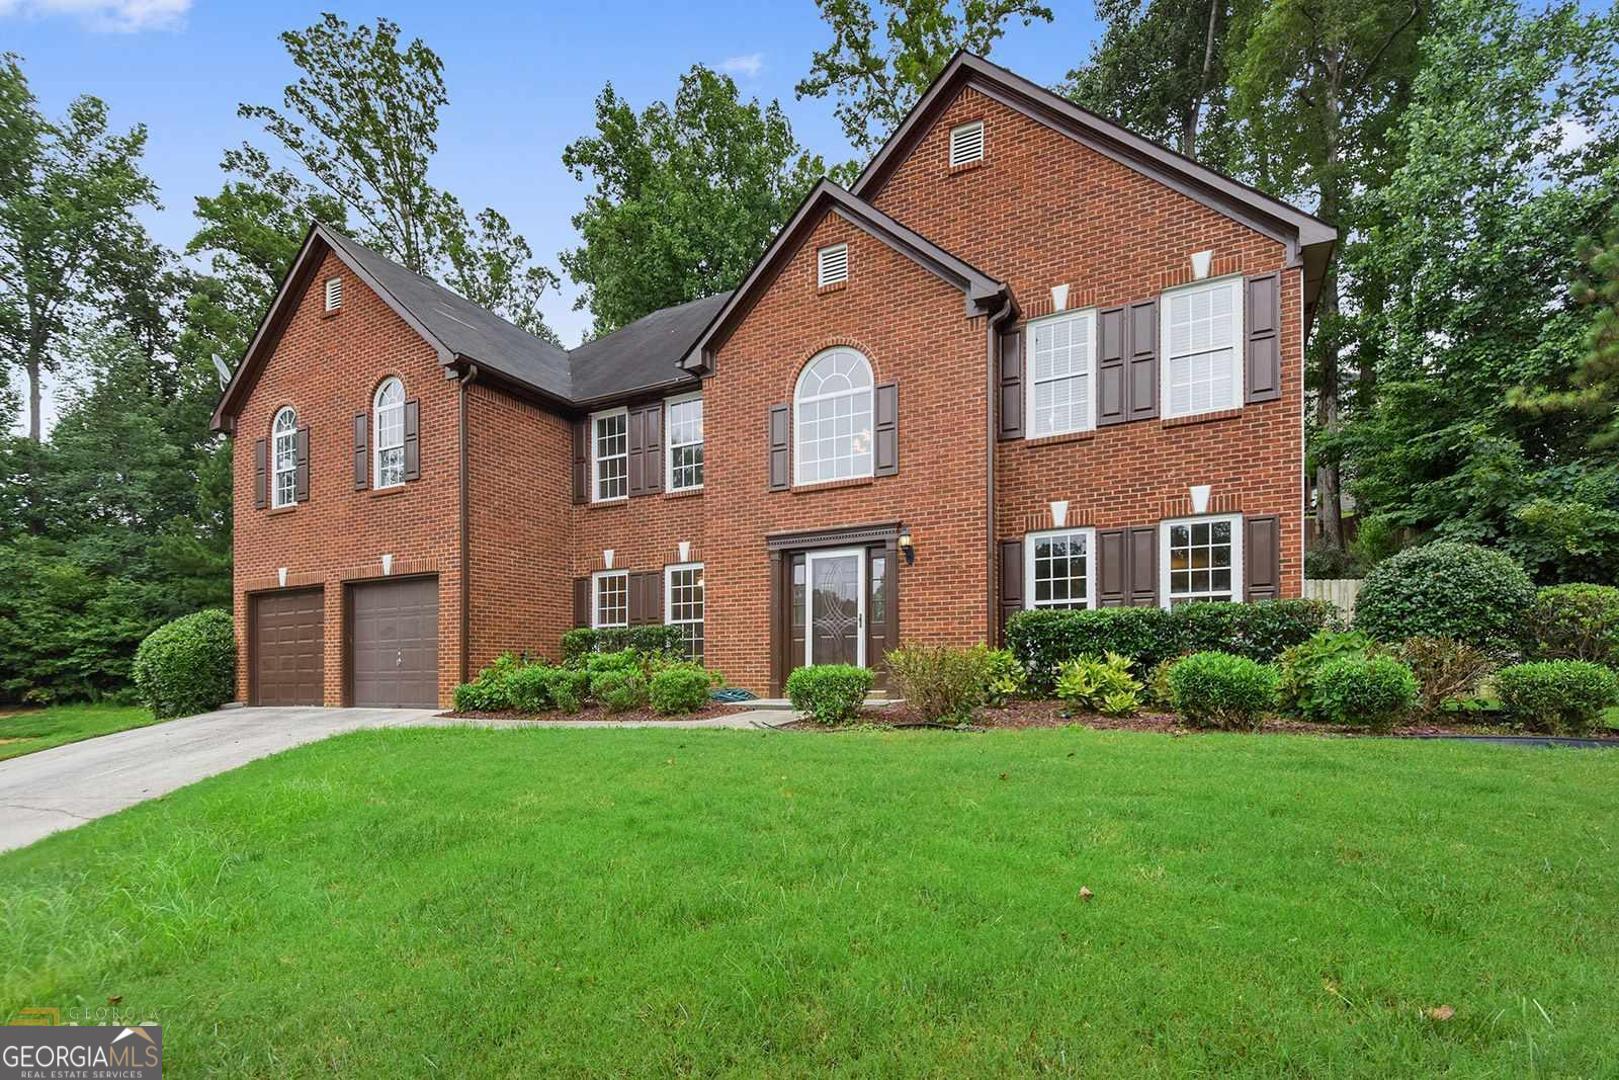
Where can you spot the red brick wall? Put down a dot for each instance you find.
(327, 367)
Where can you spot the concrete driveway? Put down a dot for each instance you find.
(65, 786)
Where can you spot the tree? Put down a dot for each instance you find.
(69, 238)
(876, 79)
(687, 196)
(1593, 392)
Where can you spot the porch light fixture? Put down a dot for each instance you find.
(905, 546)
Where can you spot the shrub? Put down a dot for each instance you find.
(1563, 697)
(1366, 691)
(188, 665)
(679, 688)
(1157, 690)
(1100, 684)
(829, 693)
(1260, 631)
(619, 689)
(621, 660)
(667, 642)
(1216, 689)
(512, 684)
(1043, 639)
(939, 681)
(1004, 678)
(1576, 622)
(1446, 670)
(1446, 589)
(1299, 665)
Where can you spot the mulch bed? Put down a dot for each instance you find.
(596, 712)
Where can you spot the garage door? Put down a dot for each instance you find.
(393, 654)
(289, 648)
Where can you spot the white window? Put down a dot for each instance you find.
(610, 599)
(284, 458)
(1201, 560)
(610, 454)
(334, 293)
(388, 423)
(1202, 348)
(1061, 367)
(684, 420)
(833, 417)
(967, 143)
(683, 604)
(1059, 569)
(832, 264)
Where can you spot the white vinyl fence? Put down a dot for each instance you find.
(1340, 591)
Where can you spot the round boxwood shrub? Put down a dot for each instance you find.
(619, 690)
(829, 693)
(1576, 622)
(1215, 689)
(1364, 691)
(1446, 589)
(680, 688)
(1563, 697)
(189, 665)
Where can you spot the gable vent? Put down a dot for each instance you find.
(334, 293)
(832, 265)
(967, 143)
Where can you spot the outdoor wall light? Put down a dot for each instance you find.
(905, 546)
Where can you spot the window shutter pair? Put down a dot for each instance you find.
(1262, 558)
(261, 470)
(1263, 323)
(646, 598)
(581, 474)
(1127, 567)
(646, 450)
(1127, 363)
(581, 601)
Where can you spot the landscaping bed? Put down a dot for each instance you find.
(600, 713)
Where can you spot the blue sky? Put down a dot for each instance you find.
(522, 80)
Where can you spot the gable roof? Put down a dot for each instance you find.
(981, 293)
(1309, 239)
(643, 355)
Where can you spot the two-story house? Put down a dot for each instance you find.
(1029, 360)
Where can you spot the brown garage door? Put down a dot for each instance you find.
(393, 643)
(289, 648)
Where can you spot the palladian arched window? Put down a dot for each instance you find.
(388, 424)
(284, 458)
(832, 414)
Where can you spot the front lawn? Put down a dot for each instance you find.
(39, 729)
(470, 902)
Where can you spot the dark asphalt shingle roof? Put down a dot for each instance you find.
(643, 355)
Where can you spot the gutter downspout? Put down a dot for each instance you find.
(463, 526)
(992, 434)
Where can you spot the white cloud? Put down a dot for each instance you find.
(1572, 134)
(108, 16)
(750, 65)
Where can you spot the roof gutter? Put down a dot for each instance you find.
(996, 320)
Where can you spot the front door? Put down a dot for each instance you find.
(836, 600)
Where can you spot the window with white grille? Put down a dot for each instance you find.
(832, 265)
(833, 419)
(1062, 358)
(683, 588)
(388, 422)
(334, 293)
(1059, 569)
(610, 604)
(610, 454)
(967, 143)
(685, 424)
(1202, 560)
(1202, 334)
(284, 459)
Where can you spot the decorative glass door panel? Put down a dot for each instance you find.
(837, 607)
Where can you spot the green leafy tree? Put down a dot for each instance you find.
(1594, 387)
(687, 196)
(877, 73)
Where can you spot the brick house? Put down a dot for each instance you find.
(1029, 359)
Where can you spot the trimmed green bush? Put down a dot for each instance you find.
(1214, 689)
(620, 690)
(1004, 678)
(1364, 691)
(1446, 669)
(1299, 665)
(1561, 697)
(679, 688)
(1576, 622)
(512, 684)
(1101, 684)
(1447, 589)
(1260, 631)
(667, 642)
(188, 665)
(939, 681)
(829, 693)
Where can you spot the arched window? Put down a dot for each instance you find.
(284, 456)
(832, 417)
(388, 423)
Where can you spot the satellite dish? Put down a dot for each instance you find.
(224, 371)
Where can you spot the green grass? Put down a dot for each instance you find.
(467, 902)
(40, 729)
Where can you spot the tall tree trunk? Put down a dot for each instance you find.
(32, 366)
(1194, 115)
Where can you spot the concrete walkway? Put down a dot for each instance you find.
(64, 786)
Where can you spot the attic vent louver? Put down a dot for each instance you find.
(967, 143)
(334, 293)
(832, 265)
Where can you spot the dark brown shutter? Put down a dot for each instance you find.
(413, 439)
(1141, 363)
(652, 448)
(1010, 363)
(1112, 568)
(581, 461)
(886, 429)
(635, 459)
(362, 448)
(1264, 323)
(1110, 356)
(581, 601)
(1262, 557)
(1141, 585)
(1011, 580)
(261, 474)
(780, 454)
(300, 475)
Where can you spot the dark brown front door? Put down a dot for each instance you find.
(393, 643)
(289, 648)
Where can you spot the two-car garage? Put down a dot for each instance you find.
(391, 645)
